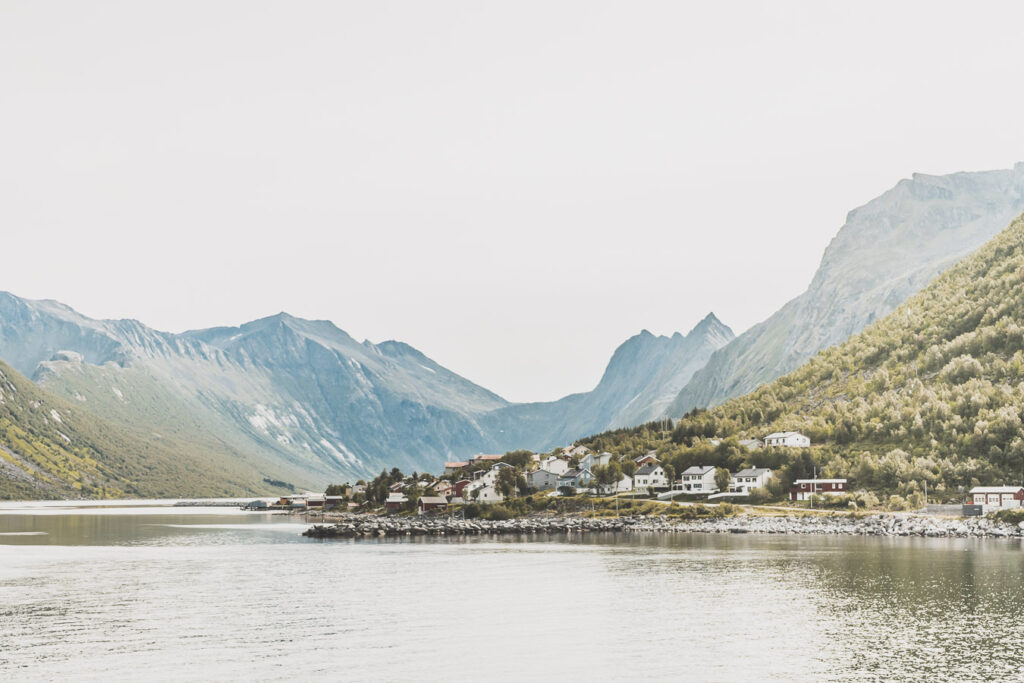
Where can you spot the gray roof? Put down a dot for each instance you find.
(433, 500)
(646, 469)
(698, 470)
(752, 472)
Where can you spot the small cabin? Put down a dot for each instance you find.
(803, 489)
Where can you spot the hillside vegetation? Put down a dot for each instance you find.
(50, 448)
(931, 393)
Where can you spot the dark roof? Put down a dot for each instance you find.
(569, 474)
(646, 469)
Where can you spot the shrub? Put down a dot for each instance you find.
(498, 513)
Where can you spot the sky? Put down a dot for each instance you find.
(514, 188)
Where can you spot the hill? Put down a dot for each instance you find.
(50, 448)
(888, 249)
(934, 392)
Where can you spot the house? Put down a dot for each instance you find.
(334, 501)
(751, 478)
(554, 464)
(697, 479)
(803, 489)
(453, 467)
(575, 478)
(315, 500)
(542, 480)
(489, 477)
(649, 458)
(650, 477)
(483, 459)
(787, 439)
(431, 504)
(488, 494)
(358, 488)
(459, 487)
(752, 444)
(579, 450)
(442, 488)
(622, 486)
(997, 496)
(590, 461)
(395, 502)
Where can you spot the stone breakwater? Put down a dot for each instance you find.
(872, 525)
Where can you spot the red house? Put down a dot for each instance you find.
(459, 487)
(803, 489)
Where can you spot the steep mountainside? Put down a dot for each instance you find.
(644, 375)
(933, 392)
(50, 448)
(888, 250)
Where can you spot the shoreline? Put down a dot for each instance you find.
(381, 526)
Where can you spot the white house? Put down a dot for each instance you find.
(488, 494)
(650, 477)
(803, 489)
(489, 477)
(542, 479)
(590, 460)
(790, 439)
(554, 464)
(752, 478)
(697, 479)
(998, 496)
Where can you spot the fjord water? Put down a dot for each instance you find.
(159, 593)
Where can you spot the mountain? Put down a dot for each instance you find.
(641, 379)
(302, 403)
(932, 392)
(299, 401)
(888, 249)
(50, 448)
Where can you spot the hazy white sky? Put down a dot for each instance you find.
(514, 188)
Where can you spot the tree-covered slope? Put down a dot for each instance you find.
(888, 250)
(934, 391)
(50, 448)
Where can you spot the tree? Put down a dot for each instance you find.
(628, 467)
(507, 482)
(722, 479)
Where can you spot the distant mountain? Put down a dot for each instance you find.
(643, 376)
(888, 249)
(301, 402)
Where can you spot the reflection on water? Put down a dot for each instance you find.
(222, 595)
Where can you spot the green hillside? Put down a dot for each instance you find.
(50, 448)
(932, 392)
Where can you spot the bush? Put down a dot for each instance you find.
(1014, 516)
(471, 510)
(497, 513)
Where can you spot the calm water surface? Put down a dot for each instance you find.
(158, 593)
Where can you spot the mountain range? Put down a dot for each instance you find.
(282, 402)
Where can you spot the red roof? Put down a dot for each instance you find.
(488, 457)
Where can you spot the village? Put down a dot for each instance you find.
(574, 471)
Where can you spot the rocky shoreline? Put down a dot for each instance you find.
(379, 526)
